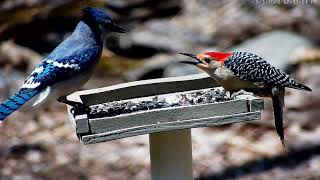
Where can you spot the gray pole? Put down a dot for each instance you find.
(171, 155)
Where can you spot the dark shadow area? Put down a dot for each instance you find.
(41, 35)
(155, 73)
(145, 10)
(22, 149)
(288, 160)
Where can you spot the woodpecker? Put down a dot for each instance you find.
(68, 67)
(236, 71)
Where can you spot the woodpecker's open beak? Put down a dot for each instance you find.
(113, 27)
(191, 62)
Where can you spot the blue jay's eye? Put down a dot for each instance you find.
(207, 60)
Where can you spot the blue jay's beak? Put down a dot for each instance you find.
(115, 28)
(191, 62)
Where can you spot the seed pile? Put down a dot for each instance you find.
(157, 102)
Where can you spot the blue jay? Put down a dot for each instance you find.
(68, 67)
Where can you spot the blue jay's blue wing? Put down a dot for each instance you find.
(78, 53)
(51, 71)
(47, 74)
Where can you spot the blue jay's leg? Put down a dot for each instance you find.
(77, 107)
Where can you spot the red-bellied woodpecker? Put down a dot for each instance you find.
(236, 71)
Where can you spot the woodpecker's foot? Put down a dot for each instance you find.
(241, 92)
(77, 107)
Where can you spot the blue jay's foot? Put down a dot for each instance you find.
(77, 107)
(241, 92)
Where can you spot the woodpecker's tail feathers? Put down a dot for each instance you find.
(15, 102)
(278, 104)
(300, 87)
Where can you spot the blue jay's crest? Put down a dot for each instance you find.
(97, 15)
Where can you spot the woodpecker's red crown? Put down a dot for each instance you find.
(208, 60)
(217, 56)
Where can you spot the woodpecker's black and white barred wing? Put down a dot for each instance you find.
(250, 67)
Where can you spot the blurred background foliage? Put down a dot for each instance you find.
(43, 145)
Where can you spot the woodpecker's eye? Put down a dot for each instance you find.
(207, 60)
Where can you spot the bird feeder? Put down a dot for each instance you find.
(166, 109)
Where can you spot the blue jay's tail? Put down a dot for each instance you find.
(15, 102)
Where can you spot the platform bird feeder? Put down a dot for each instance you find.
(166, 109)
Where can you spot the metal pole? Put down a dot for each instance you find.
(171, 155)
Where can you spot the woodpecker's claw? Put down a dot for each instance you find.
(77, 107)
